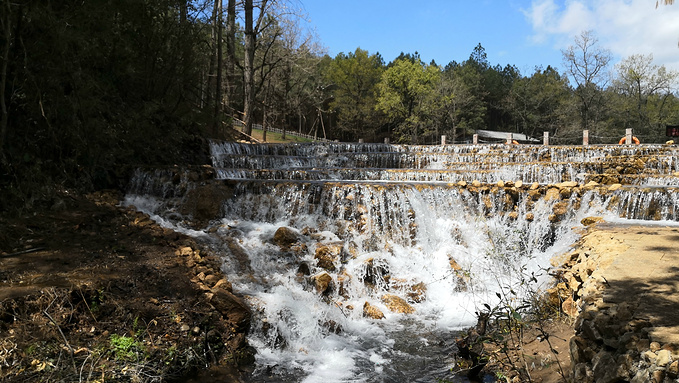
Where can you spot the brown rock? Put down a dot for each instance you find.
(569, 307)
(397, 304)
(327, 255)
(285, 237)
(370, 311)
(552, 194)
(591, 220)
(417, 292)
(204, 203)
(232, 308)
(560, 209)
(323, 283)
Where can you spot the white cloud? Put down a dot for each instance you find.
(625, 27)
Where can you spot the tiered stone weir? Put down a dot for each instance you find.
(439, 228)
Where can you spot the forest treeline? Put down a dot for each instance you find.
(90, 89)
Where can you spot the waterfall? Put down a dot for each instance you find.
(424, 235)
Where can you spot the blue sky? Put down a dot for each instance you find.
(524, 33)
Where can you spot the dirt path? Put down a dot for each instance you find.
(640, 265)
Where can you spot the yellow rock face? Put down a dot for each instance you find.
(370, 311)
(397, 304)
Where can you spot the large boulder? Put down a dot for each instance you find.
(285, 237)
(232, 308)
(204, 203)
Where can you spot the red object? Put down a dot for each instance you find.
(672, 130)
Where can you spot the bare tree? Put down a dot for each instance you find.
(586, 65)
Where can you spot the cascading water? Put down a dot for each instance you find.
(373, 231)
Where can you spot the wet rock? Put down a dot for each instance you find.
(560, 209)
(375, 272)
(204, 203)
(327, 254)
(530, 217)
(417, 292)
(285, 237)
(323, 283)
(397, 304)
(552, 194)
(591, 220)
(303, 269)
(370, 311)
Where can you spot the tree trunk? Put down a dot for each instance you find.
(249, 69)
(230, 52)
(4, 117)
(213, 58)
(218, 86)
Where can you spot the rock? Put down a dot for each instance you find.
(375, 272)
(530, 217)
(513, 215)
(184, 251)
(370, 311)
(323, 283)
(534, 186)
(397, 304)
(285, 237)
(591, 220)
(614, 187)
(560, 209)
(204, 203)
(232, 308)
(500, 183)
(417, 292)
(673, 369)
(569, 307)
(518, 184)
(462, 184)
(580, 351)
(664, 358)
(669, 142)
(654, 346)
(552, 194)
(303, 269)
(476, 183)
(326, 255)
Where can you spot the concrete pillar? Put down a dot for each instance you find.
(545, 138)
(443, 140)
(510, 138)
(386, 140)
(585, 137)
(628, 137)
(360, 141)
(475, 139)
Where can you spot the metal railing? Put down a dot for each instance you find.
(287, 132)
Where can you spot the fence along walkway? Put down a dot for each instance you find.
(240, 125)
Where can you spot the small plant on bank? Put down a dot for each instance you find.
(497, 343)
(125, 347)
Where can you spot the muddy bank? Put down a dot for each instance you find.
(90, 291)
